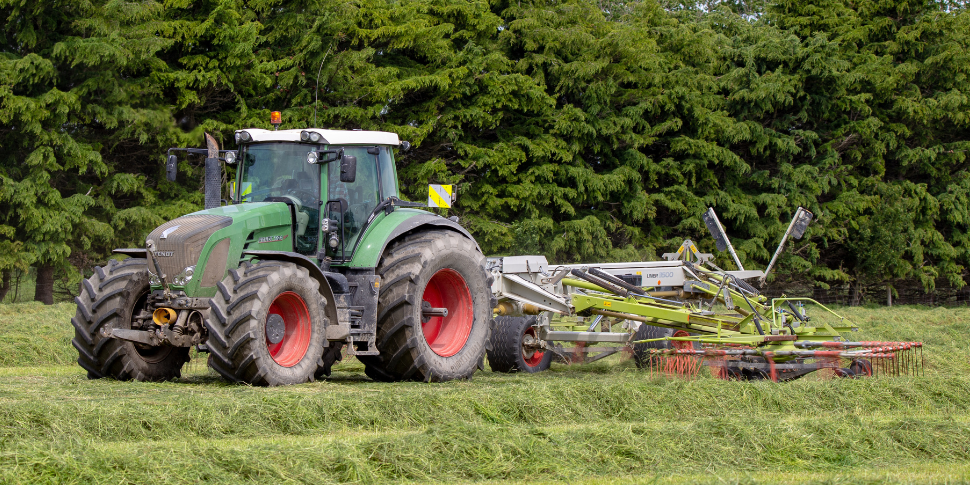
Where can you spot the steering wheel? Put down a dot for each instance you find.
(300, 194)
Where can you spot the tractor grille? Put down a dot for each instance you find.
(182, 246)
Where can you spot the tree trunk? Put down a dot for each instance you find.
(44, 292)
(16, 286)
(4, 284)
(889, 295)
(856, 294)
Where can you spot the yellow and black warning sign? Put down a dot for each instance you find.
(440, 195)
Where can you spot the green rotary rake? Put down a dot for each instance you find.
(678, 317)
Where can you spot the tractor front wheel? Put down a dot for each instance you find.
(112, 298)
(266, 325)
(434, 311)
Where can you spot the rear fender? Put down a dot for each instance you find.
(420, 220)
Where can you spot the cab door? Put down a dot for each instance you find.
(350, 204)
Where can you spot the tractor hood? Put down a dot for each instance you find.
(195, 251)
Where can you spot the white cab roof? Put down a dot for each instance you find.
(332, 137)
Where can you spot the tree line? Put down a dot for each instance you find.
(583, 130)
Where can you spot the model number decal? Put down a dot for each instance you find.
(666, 275)
(271, 239)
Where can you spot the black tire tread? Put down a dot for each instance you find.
(99, 305)
(506, 352)
(232, 344)
(396, 340)
(641, 354)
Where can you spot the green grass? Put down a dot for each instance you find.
(603, 423)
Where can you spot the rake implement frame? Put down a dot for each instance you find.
(718, 320)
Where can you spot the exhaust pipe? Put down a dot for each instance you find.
(213, 174)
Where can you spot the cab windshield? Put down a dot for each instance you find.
(278, 170)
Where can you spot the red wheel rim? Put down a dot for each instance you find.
(447, 335)
(681, 344)
(296, 337)
(531, 357)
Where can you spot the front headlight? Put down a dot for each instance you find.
(184, 277)
(312, 158)
(230, 157)
(153, 279)
(243, 137)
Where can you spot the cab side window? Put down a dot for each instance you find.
(385, 160)
(358, 198)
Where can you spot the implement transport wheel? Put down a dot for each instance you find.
(861, 368)
(423, 274)
(111, 298)
(513, 347)
(266, 325)
(641, 352)
(844, 372)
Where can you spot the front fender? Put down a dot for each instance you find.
(315, 272)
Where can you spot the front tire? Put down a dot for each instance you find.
(111, 298)
(267, 326)
(510, 350)
(436, 269)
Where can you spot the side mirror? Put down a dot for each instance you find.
(171, 168)
(348, 169)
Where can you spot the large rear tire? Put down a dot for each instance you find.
(510, 350)
(267, 326)
(111, 298)
(446, 270)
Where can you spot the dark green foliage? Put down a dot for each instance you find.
(586, 131)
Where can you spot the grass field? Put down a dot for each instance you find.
(603, 423)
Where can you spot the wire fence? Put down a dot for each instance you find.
(875, 295)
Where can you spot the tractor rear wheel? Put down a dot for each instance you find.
(513, 348)
(424, 271)
(266, 325)
(112, 298)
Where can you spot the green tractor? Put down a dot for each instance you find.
(313, 252)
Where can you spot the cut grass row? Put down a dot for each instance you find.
(68, 407)
(604, 422)
(567, 426)
(35, 334)
(451, 452)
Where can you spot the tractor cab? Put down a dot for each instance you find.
(332, 180)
